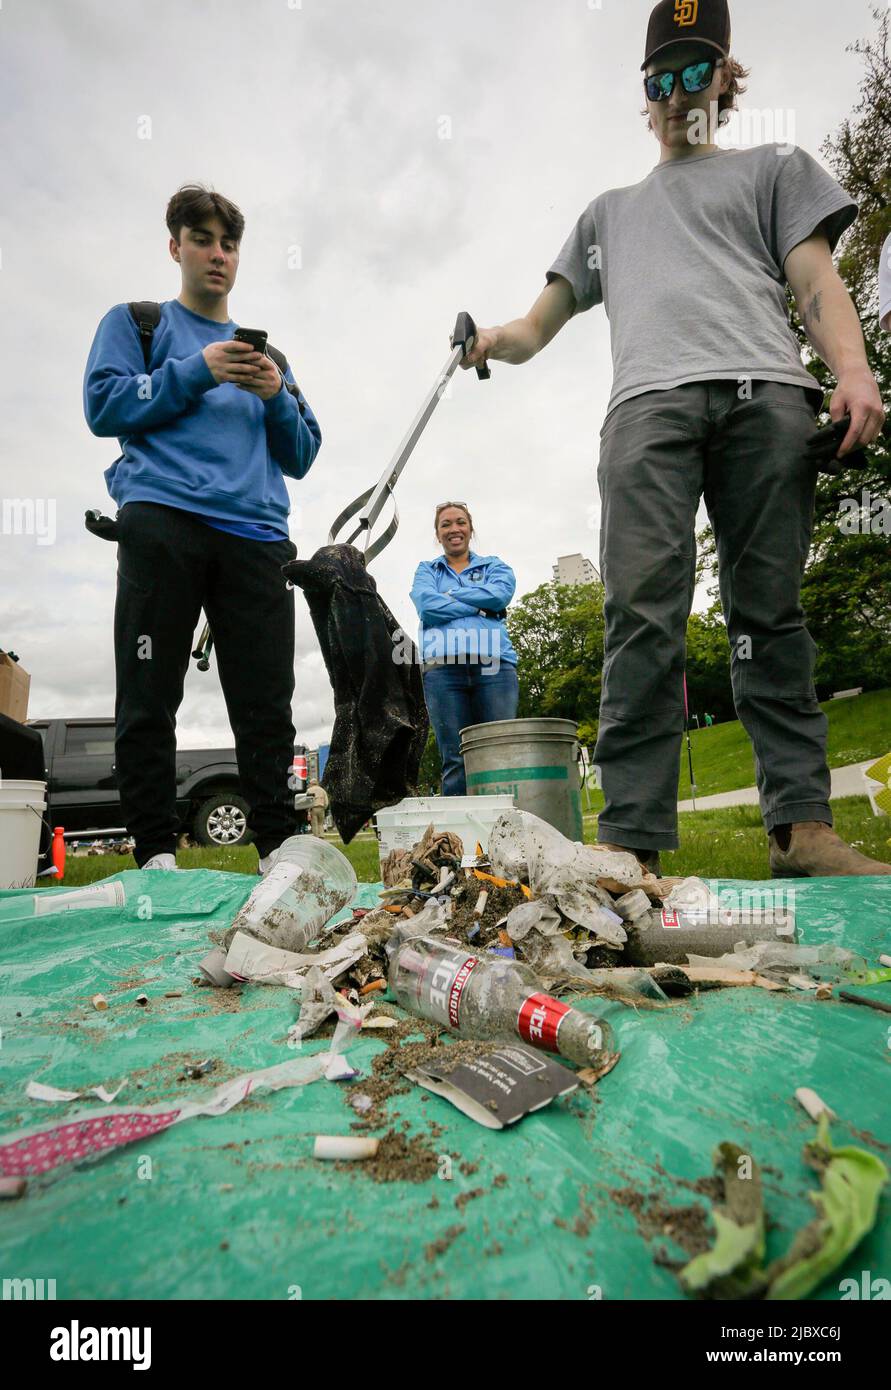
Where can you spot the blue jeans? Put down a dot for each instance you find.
(458, 696)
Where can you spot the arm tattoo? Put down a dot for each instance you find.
(814, 311)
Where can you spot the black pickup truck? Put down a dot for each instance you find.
(82, 790)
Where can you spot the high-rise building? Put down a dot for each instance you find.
(575, 569)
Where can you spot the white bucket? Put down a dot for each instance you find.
(471, 817)
(22, 805)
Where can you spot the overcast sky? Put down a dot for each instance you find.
(426, 156)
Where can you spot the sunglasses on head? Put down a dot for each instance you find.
(695, 77)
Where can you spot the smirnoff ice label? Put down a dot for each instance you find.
(539, 1019)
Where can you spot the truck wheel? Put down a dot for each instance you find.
(222, 821)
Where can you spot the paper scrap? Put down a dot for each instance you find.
(87, 1134)
(256, 961)
(340, 1069)
(36, 1090)
(496, 1088)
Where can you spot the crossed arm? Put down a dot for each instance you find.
(435, 608)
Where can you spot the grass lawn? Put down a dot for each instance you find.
(727, 843)
(722, 756)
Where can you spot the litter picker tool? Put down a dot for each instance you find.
(366, 509)
(380, 714)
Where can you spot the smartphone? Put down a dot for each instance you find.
(257, 337)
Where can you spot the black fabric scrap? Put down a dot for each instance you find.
(380, 717)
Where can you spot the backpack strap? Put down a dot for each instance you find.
(147, 315)
(281, 362)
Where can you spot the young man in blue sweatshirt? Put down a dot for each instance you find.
(207, 430)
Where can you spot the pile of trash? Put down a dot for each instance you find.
(480, 942)
(584, 917)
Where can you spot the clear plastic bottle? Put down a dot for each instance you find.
(670, 935)
(490, 998)
(309, 882)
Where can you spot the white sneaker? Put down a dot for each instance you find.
(162, 861)
(268, 862)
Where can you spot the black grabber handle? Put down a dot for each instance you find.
(463, 336)
(102, 526)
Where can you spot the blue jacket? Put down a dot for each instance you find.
(185, 441)
(455, 610)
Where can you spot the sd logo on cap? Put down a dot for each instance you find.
(701, 21)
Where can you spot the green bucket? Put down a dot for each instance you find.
(534, 760)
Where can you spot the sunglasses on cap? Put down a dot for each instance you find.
(441, 507)
(695, 77)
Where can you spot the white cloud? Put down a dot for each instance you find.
(323, 124)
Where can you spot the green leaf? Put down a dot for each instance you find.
(848, 1203)
(733, 1268)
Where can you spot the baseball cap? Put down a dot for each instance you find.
(697, 21)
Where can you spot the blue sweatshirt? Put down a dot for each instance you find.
(456, 610)
(187, 442)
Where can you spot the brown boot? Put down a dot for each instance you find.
(647, 858)
(815, 851)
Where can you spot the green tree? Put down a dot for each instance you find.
(847, 585)
(557, 631)
(430, 772)
(708, 665)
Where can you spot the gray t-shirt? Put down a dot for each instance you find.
(688, 264)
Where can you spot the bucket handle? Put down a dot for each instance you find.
(580, 763)
(45, 826)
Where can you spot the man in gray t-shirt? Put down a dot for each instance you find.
(710, 399)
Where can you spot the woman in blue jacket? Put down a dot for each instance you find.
(469, 664)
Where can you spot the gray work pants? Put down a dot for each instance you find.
(660, 452)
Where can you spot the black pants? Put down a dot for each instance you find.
(659, 453)
(170, 566)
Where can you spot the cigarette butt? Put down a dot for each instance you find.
(480, 905)
(884, 960)
(811, 1102)
(13, 1187)
(504, 938)
(99, 1001)
(343, 1146)
(372, 986)
(173, 994)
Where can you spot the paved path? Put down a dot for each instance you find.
(846, 781)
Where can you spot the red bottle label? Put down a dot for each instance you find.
(670, 917)
(539, 1019)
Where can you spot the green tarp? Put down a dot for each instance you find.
(574, 1202)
